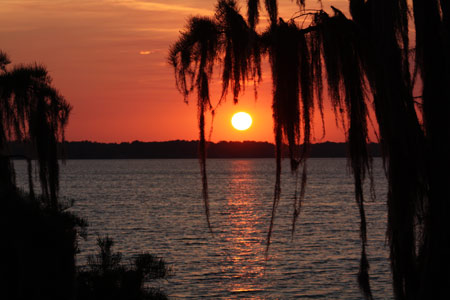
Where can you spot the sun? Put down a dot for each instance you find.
(241, 121)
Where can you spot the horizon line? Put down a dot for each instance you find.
(214, 142)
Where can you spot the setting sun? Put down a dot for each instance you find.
(241, 121)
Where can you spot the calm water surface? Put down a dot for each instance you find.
(155, 206)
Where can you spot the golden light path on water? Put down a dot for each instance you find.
(247, 253)
(155, 206)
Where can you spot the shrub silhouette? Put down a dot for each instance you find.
(107, 278)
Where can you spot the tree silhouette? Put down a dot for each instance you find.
(31, 110)
(39, 237)
(365, 61)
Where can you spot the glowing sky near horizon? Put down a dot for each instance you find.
(109, 59)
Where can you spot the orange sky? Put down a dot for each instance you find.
(109, 59)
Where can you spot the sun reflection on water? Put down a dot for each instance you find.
(155, 206)
(245, 259)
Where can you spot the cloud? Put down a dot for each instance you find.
(156, 6)
(155, 29)
(146, 52)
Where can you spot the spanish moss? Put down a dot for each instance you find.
(253, 13)
(32, 111)
(272, 10)
(239, 62)
(365, 62)
(193, 59)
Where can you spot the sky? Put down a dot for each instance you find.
(109, 60)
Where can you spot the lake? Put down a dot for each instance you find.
(156, 206)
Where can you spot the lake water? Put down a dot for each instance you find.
(156, 206)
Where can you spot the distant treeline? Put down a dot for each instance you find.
(184, 149)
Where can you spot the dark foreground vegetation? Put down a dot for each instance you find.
(107, 277)
(39, 247)
(39, 236)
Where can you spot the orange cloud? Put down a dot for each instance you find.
(163, 7)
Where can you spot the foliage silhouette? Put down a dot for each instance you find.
(39, 236)
(365, 62)
(107, 278)
(31, 110)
